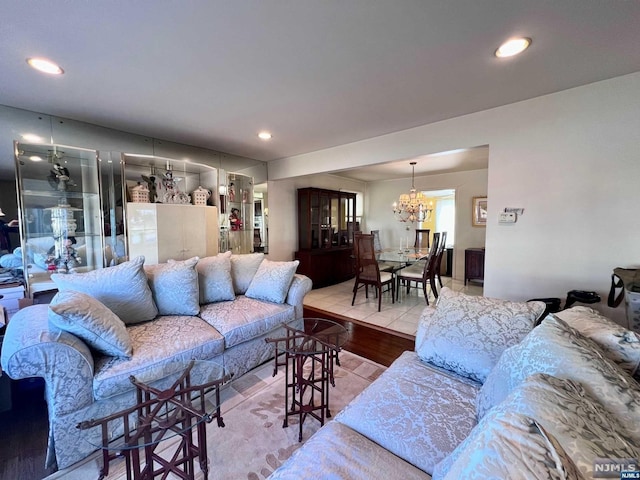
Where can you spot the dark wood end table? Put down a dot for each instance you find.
(170, 407)
(309, 358)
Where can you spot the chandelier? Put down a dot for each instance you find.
(412, 206)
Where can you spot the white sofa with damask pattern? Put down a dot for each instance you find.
(487, 395)
(106, 325)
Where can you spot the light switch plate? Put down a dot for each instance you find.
(507, 217)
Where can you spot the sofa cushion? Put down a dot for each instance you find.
(272, 281)
(467, 334)
(619, 344)
(415, 410)
(11, 260)
(564, 408)
(243, 268)
(340, 452)
(91, 321)
(214, 278)
(123, 289)
(245, 318)
(174, 286)
(556, 349)
(508, 442)
(160, 347)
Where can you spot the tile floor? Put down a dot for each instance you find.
(402, 316)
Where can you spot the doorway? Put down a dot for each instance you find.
(442, 218)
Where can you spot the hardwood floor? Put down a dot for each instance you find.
(23, 429)
(23, 432)
(375, 343)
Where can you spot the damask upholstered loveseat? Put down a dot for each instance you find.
(106, 325)
(487, 395)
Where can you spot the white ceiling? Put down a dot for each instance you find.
(317, 74)
(445, 162)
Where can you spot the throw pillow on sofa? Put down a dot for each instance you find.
(123, 289)
(577, 421)
(617, 343)
(467, 334)
(556, 349)
(91, 321)
(488, 452)
(272, 281)
(243, 269)
(214, 278)
(174, 286)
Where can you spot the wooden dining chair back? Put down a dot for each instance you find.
(377, 247)
(356, 243)
(440, 254)
(421, 274)
(422, 238)
(368, 272)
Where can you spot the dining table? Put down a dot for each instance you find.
(398, 259)
(407, 256)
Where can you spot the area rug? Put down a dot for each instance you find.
(253, 442)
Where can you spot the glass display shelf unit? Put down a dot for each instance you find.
(171, 208)
(60, 210)
(236, 212)
(167, 180)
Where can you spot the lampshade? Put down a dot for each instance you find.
(412, 206)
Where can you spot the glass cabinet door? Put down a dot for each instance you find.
(326, 218)
(315, 220)
(335, 218)
(61, 224)
(325, 212)
(237, 218)
(347, 209)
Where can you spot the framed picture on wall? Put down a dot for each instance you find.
(479, 214)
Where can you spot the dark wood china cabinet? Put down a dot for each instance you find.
(326, 222)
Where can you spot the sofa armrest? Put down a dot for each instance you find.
(423, 323)
(33, 349)
(300, 286)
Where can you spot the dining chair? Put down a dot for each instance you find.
(440, 254)
(377, 247)
(421, 274)
(368, 272)
(422, 238)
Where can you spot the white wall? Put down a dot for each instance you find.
(380, 196)
(570, 159)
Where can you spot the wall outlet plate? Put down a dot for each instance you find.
(507, 217)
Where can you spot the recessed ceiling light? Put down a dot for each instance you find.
(30, 137)
(44, 65)
(513, 47)
(35, 158)
(264, 136)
